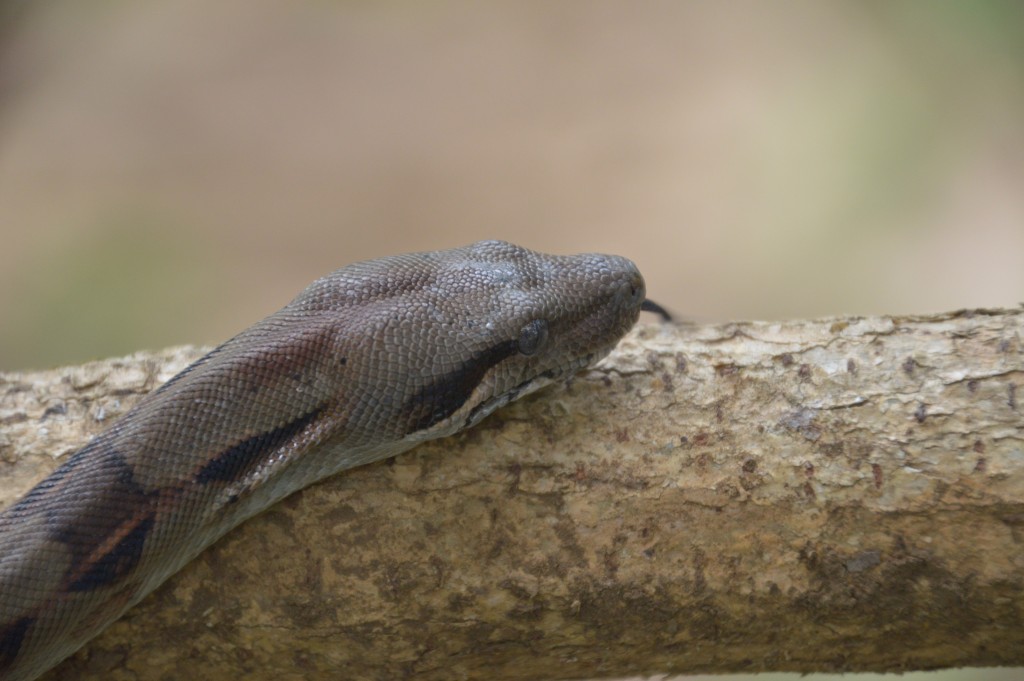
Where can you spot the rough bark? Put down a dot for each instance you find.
(833, 495)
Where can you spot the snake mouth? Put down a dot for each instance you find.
(480, 411)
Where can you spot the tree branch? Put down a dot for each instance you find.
(833, 495)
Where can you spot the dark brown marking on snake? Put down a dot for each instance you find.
(11, 637)
(238, 460)
(437, 401)
(105, 529)
(115, 558)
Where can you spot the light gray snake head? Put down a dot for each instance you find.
(459, 333)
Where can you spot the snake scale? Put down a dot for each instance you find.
(365, 363)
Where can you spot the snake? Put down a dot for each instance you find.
(362, 365)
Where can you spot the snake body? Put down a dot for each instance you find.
(365, 363)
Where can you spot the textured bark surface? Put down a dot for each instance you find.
(842, 494)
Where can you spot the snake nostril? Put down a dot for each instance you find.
(637, 289)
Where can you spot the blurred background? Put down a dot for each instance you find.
(172, 171)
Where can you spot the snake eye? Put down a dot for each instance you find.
(532, 337)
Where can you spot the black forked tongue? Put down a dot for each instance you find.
(650, 306)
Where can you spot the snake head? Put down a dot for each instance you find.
(453, 335)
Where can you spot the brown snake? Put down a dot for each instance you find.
(365, 363)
